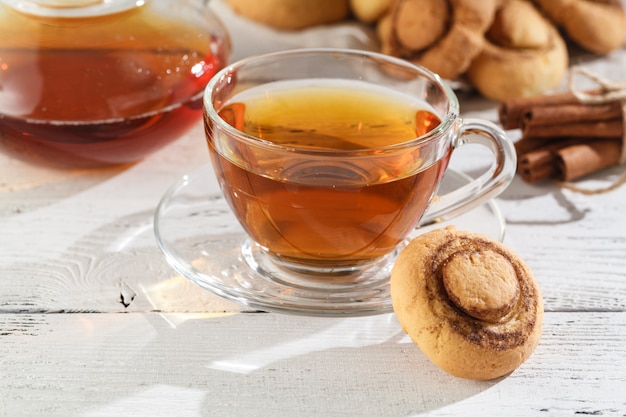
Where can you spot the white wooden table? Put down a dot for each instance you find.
(94, 322)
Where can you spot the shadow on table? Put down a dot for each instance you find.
(547, 203)
(353, 366)
(260, 364)
(35, 185)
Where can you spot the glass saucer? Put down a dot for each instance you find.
(203, 241)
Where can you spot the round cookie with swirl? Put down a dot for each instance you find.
(470, 304)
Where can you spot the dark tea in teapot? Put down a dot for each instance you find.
(108, 88)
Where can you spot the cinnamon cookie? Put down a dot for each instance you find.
(470, 304)
(369, 11)
(441, 36)
(523, 55)
(292, 14)
(598, 26)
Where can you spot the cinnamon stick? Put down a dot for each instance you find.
(568, 159)
(528, 144)
(576, 161)
(571, 113)
(537, 165)
(568, 162)
(537, 157)
(511, 112)
(563, 138)
(599, 129)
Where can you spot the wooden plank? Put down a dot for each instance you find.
(271, 364)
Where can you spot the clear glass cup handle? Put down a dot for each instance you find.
(485, 187)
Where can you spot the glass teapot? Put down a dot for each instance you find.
(100, 82)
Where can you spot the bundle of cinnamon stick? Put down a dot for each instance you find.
(563, 138)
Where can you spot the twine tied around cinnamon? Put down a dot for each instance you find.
(610, 92)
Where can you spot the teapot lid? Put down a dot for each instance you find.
(73, 8)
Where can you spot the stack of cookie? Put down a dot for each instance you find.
(504, 48)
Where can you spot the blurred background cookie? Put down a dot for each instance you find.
(441, 36)
(504, 49)
(598, 26)
(369, 11)
(292, 14)
(523, 54)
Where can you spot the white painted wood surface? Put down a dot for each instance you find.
(93, 322)
(258, 364)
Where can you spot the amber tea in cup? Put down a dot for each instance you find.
(337, 211)
(330, 158)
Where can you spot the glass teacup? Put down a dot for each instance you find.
(330, 159)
